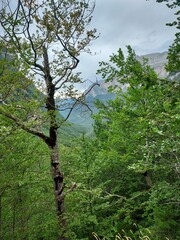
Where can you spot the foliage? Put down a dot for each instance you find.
(174, 50)
(130, 236)
(174, 56)
(126, 177)
(140, 129)
(40, 45)
(27, 209)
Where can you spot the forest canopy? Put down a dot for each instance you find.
(59, 181)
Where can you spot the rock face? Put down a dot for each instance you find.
(156, 61)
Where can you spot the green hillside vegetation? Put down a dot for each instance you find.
(58, 181)
(126, 177)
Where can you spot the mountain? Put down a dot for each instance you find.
(157, 61)
(81, 117)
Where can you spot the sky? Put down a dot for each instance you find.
(139, 23)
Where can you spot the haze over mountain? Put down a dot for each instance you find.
(81, 116)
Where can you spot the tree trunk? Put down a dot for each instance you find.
(57, 174)
(148, 180)
(58, 180)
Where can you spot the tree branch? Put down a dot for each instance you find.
(39, 134)
(74, 185)
(78, 101)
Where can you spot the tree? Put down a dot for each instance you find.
(41, 44)
(82, 168)
(139, 139)
(25, 187)
(173, 65)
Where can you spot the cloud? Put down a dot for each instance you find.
(123, 22)
(139, 23)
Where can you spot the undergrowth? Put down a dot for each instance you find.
(124, 236)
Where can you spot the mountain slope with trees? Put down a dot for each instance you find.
(123, 182)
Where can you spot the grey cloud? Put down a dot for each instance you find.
(139, 23)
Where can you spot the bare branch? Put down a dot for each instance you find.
(74, 185)
(79, 101)
(65, 75)
(24, 127)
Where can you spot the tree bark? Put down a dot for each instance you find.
(57, 175)
(58, 178)
(148, 180)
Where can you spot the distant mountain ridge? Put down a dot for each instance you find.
(157, 61)
(78, 116)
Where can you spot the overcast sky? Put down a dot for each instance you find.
(139, 23)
